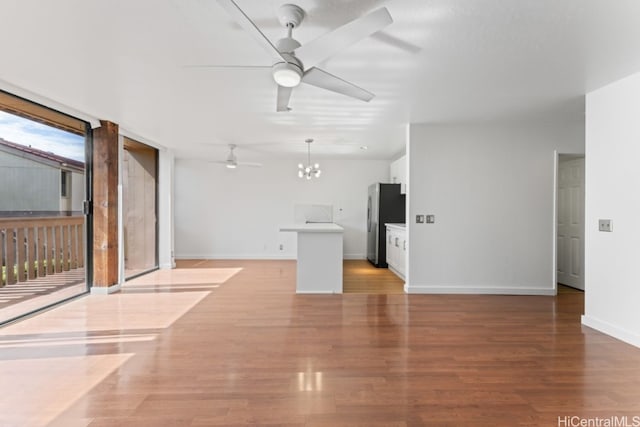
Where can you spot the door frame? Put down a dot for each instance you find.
(554, 249)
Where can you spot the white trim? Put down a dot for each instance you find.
(167, 266)
(121, 276)
(259, 256)
(554, 225)
(611, 330)
(47, 102)
(323, 292)
(238, 257)
(132, 135)
(102, 290)
(480, 290)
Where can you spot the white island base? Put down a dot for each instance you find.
(319, 269)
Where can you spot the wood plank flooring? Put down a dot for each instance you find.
(360, 276)
(229, 343)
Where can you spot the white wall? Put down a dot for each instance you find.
(236, 213)
(491, 189)
(612, 176)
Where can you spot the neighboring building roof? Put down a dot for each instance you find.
(42, 156)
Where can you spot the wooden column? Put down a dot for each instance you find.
(105, 205)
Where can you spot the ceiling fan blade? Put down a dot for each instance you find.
(325, 46)
(322, 79)
(284, 94)
(250, 164)
(247, 24)
(233, 67)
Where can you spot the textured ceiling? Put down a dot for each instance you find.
(130, 61)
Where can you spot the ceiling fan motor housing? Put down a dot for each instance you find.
(287, 45)
(290, 14)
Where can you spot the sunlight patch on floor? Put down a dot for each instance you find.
(110, 312)
(184, 277)
(48, 386)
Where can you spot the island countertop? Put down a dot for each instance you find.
(318, 227)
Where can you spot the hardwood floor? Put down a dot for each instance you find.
(360, 276)
(228, 343)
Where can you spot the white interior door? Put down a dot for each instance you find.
(570, 239)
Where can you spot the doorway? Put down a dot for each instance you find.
(139, 208)
(570, 221)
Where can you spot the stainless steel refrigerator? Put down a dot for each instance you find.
(384, 205)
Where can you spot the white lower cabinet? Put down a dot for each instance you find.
(397, 249)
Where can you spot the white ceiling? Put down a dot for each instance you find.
(440, 61)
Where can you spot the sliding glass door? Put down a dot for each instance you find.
(43, 176)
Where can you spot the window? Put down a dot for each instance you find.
(63, 183)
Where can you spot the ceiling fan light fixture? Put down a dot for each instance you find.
(287, 75)
(231, 165)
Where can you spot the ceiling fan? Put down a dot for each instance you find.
(294, 63)
(232, 161)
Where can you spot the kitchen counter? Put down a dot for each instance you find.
(319, 269)
(316, 227)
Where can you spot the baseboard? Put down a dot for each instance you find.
(104, 290)
(324, 292)
(243, 256)
(611, 330)
(480, 290)
(261, 256)
(167, 266)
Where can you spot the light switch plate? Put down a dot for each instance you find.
(431, 219)
(419, 219)
(605, 225)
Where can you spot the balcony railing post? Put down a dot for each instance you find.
(35, 247)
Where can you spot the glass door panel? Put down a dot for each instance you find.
(42, 225)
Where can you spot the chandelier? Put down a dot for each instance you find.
(310, 170)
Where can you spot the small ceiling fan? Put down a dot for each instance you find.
(232, 161)
(294, 63)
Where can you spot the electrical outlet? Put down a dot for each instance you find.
(419, 219)
(430, 219)
(281, 247)
(605, 225)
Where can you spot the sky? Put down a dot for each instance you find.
(37, 135)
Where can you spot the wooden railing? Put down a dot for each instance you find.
(37, 247)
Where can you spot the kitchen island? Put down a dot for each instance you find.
(319, 269)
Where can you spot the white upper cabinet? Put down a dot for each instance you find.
(398, 173)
